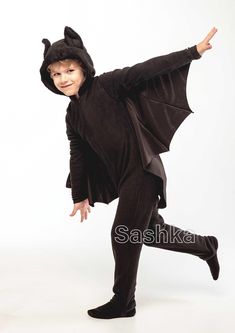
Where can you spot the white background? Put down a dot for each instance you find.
(53, 268)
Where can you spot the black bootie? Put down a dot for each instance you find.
(113, 309)
(213, 262)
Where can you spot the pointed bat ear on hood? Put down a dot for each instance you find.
(72, 38)
(71, 47)
(47, 45)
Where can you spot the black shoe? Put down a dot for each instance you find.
(213, 262)
(113, 309)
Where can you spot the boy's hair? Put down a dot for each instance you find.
(81, 64)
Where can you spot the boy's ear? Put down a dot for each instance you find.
(72, 38)
(47, 45)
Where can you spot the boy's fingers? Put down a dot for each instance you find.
(210, 34)
(82, 216)
(83, 212)
(74, 211)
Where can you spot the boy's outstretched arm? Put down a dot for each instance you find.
(119, 81)
(122, 80)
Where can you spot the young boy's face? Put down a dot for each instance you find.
(67, 76)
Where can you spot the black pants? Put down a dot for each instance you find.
(138, 222)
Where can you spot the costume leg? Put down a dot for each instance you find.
(137, 197)
(172, 238)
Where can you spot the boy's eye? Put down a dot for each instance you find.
(68, 71)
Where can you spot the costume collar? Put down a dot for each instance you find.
(87, 83)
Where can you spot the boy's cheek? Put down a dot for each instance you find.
(55, 83)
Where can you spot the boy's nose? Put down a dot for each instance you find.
(63, 78)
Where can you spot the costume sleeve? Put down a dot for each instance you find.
(77, 178)
(120, 81)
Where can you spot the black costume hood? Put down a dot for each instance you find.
(71, 47)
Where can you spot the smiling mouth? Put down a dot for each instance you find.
(66, 86)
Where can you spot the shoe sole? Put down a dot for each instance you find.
(129, 313)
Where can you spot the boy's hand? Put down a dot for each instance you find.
(84, 208)
(205, 45)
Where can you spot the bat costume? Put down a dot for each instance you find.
(121, 122)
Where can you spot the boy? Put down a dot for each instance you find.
(118, 123)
